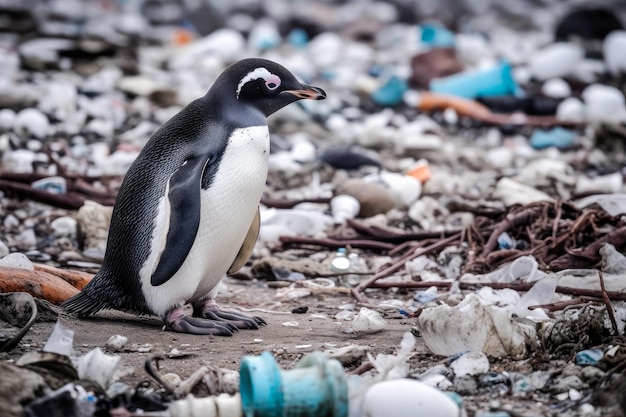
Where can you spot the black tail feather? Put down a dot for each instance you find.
(83, 305)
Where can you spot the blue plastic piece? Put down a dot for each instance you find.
(589, 357)
(505, 241)
(391, 93)
(298, 37)
(317, 386)
(558, 137)
(495, 81)
(456, 398)
(436, 35)
(424, 297)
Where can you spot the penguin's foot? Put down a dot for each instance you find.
(208, 309)
(176, 320)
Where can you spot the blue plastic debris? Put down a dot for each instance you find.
(495, 81)
(390, 94)
(557, 137)
(434, 34)
(505, 241)
(298, 37)
(589, 357)
(423, 296)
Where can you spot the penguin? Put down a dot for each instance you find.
(187, 212)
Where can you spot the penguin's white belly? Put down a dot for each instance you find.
(228, 207)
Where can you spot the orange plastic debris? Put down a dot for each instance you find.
(470, 108)
(464, 107)
(421, 172)
(183, 36)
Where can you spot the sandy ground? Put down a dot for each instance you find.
(287, 343)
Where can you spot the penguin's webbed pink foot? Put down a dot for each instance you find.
(176, 320)
(208, 309)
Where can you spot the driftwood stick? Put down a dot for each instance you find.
(506, 224)
(65, 201)
(607, 301)
(560, 305)
(517, 286)
(335, 243)
(357, 291)
(287, 204)
(390, 236)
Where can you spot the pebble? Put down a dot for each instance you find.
(556, 60)
(613, 49)
(556, 88)
(604, 103)
(116, 343)
(64, 227)
(17, 260)
(7, 119)
(31, 121)
(26, 239)
(572, 110)
(373, 198)
(4, 249)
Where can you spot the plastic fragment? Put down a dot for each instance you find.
(557, 137)
(368, 321)
(496, 81)
(589, 357)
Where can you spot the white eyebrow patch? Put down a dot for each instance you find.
(257, 73)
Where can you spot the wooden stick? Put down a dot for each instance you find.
(335, 243)
(357, 291)
(607, 302)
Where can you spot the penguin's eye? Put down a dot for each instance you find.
(272, 82)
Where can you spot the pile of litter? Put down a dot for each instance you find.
(465, 174)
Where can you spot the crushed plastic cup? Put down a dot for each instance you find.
(368, 321)
(475, 325)
(495, 81)
(97, 366)
(317, 386)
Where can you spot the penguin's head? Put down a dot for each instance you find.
(265, 85)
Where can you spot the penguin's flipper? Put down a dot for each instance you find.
(184, 217)
(248, 244)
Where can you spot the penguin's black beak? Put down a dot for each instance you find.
(307, 92)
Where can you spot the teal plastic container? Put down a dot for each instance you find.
(315, 387)
(496, 81)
